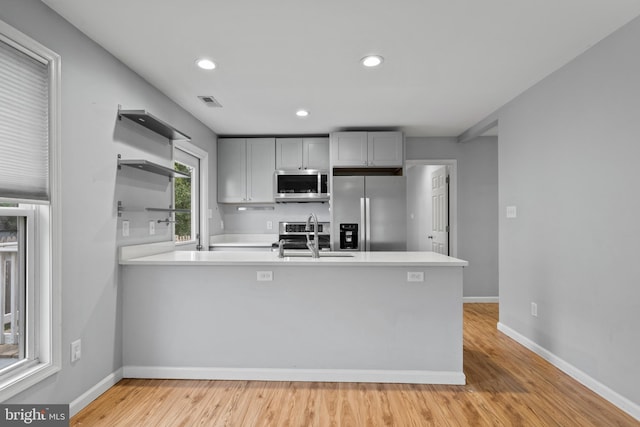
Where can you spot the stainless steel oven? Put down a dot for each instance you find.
(301, 186)
(295, 236)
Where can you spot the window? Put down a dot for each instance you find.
(29, 219)
(16, 234)
(191, 218)
(185, 196)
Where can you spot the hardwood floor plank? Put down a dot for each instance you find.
(507, 385)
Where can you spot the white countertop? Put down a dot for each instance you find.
(240, 258)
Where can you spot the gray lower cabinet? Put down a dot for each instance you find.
(302, 153)
(245, 170)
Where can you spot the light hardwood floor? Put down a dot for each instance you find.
(507, 385)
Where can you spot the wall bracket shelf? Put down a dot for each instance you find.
(148, 120)
(121, 208)
(148, 166)
(167, 210)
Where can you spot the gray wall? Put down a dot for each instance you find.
(568, 156)
(93, 84)
(477, 205)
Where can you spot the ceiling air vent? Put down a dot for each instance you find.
(210, 101)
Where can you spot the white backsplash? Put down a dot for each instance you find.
(256, 221)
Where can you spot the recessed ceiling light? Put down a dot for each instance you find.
(372, 60)
(302, 113)
(206, 64)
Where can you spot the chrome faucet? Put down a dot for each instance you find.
(281, 248)
(314, 247)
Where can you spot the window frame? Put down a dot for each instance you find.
(195, 202)
(29, 261)
(45, 262)
(203, 191)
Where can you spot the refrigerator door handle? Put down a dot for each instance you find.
(363, 225)
(367, 205)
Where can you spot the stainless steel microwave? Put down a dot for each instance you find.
(301, 186)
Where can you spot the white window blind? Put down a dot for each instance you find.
(24, 126)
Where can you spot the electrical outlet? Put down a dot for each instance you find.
(415, 276)
(269, 225)
(512, 212)
(76, 350)
(534, 309)
(125, 228)
(265, 276)
(152, 228)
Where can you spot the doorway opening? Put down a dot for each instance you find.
(432, 208)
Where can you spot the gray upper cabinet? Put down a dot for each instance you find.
(367, 149)
(260, 169)
(232, 170)
(302, 153)
(385, 149)
(288, 153)
(315, 153)
(349, 149)
(245, 170)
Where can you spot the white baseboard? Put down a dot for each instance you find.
(94, 392)
(485, 300)
(316, 375)
(618, 400)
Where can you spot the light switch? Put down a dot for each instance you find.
(76, 350)
(152, 228)
(512, 212)
(125, 228)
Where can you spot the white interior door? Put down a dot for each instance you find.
(440, 211)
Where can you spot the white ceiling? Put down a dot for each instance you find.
(448, 63)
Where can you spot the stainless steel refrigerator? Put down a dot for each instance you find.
(369, 213)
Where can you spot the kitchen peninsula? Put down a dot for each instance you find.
(368, 317)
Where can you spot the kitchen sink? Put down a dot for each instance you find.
(326, 254)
